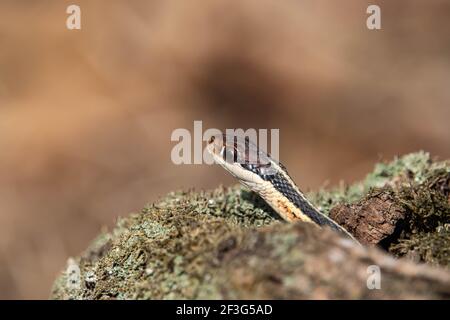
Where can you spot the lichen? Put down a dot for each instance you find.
(425, 235)
(413, 168)
(163, 251)
(422, 188)
(173, 249)
(432, 247)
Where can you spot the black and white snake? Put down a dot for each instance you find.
(256, 170)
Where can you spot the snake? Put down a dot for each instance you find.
(259, 172)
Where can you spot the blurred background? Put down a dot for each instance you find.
(86, 116)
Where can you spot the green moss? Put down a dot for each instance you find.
(165, 251)
(425, 234)
(432, 247)
(421, 186)
(326, 199)
(173, 248)
(414, 166)
(427, 203)
(409, 169)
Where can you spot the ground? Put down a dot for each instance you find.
(227, 243)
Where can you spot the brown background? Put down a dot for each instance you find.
(86, 116)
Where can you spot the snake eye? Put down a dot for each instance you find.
(211, 139)
(229, 155)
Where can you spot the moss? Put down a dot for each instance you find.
(427, 203)
(432, 247)
(413, 168)
(419, 187)
(174, 247)
(163, 252)
(425, 235)
(326, 199)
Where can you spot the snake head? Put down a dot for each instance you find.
(241, 157)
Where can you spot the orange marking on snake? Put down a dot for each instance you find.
(290, 215)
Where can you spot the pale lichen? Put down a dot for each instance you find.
(175, 247)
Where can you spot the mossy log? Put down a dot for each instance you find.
(227, 243)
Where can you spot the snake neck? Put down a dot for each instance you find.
(300, 201)
(287, 187)
(282, 193)
(318, 217)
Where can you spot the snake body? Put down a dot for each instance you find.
(256, 170)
